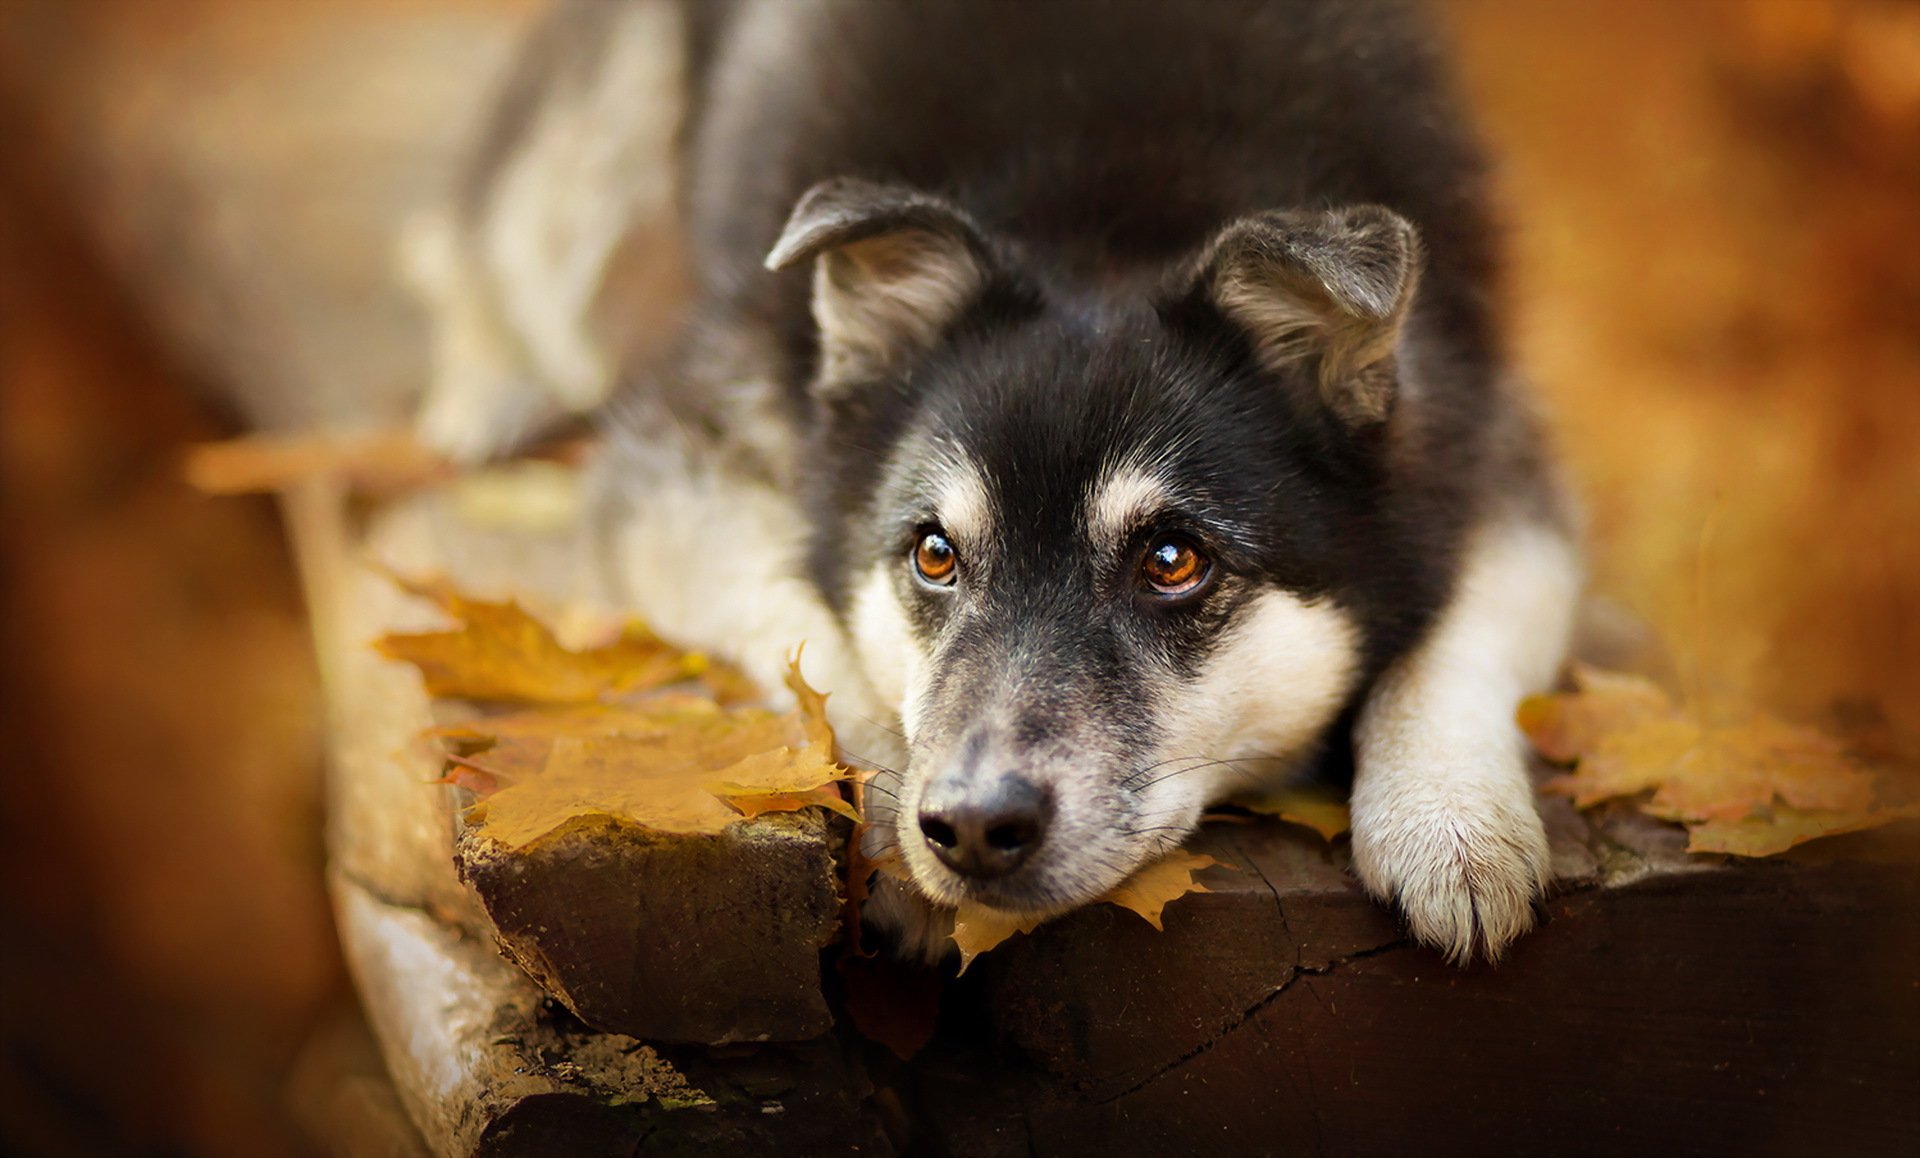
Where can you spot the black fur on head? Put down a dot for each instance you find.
(1245, 392)
(1263, 368)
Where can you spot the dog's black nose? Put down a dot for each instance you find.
(988, 832)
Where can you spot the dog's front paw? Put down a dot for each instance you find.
(1464, 859)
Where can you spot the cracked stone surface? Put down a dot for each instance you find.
(1668, 1004)
(685, 938)
(487, 1064)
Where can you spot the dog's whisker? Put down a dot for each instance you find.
(1202, 765)
(891, 731)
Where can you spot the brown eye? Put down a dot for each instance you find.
(934, 560)
(1173, 566)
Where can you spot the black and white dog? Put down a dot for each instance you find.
(1110, 394)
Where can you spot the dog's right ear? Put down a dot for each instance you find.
(894, 268)
(1327, 290)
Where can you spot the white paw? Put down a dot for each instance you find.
(1463, 858)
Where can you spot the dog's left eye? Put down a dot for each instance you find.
(1173, 567)
(934, 560)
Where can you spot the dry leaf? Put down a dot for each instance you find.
(464, 773)
(1147, 892)
(597, 736)
(1312, 808)
(501, 653)
(977, 929)
(378, 461)
(1781, 827)
(1752, 787)
(893, 1002)
(384, 462)
(751, 804)
(684, 772)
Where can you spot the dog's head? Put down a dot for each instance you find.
(1109, 556)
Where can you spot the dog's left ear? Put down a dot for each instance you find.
(1326, 290)
(895, 267)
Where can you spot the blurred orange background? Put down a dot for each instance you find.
(1715, 219)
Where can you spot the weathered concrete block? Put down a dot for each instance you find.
(487, 1065)
(708, 939)
(1669, 1005)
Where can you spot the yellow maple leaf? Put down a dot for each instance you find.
(596, 735)
(1149, 891)
(1783, 826)
(502, 653)
(977, 928)
(682, 771)
(1312, 808)
(1753, 786)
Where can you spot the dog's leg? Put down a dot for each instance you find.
(1444, 822)
(573, 172)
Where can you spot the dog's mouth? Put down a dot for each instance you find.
(1057, 879)
(1033, 840)
(1023, 898)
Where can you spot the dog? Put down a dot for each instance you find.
(1109, 393)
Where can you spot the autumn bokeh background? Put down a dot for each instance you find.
(1715, 215)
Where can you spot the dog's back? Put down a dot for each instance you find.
(1106, 137)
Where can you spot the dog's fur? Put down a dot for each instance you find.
(1058, 280)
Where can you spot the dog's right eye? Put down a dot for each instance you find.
(934, 560)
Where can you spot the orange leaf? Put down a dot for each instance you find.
(977, 929)
(824, 797)
(1783, 826)
(501, 653)
(812, 705)
(1312, 808)
(482, 782)
(1147, 892)
(892, 1002)
(378, 461)
(1752, 787)
(680, 778)
(588, 742)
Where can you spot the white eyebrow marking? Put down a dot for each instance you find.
(960, 502)
(1121, 501)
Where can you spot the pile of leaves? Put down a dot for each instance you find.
(631, 728)
(634, 728)
(1741, 781)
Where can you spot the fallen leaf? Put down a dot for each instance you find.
(464, 773)
(609, 729)
(727, 684)
(1781, 827)
(1312, 808)
(1750, 786)
(684, 773)
(893, 1002)
(378, 461)
(977, 929)
(501, 653)
(1147, 892)
(826, 796)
